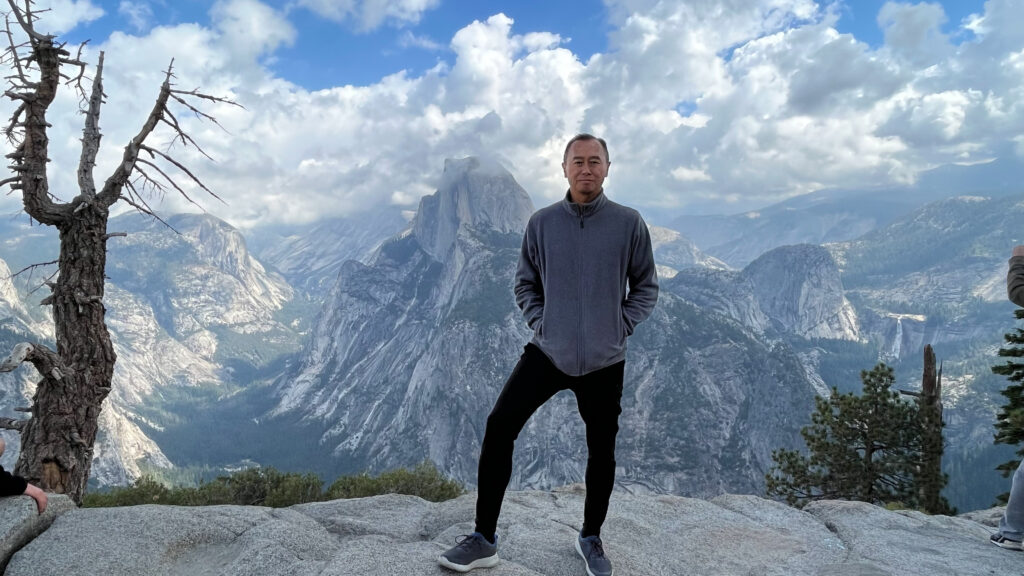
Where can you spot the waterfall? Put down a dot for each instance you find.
(898, 341)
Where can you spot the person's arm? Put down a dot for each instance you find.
(11, 485)
(1015, 277)
(529, 288)
(38, 495)
(643, 280)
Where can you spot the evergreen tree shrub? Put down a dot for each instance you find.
(863, 448)
(1010, 419)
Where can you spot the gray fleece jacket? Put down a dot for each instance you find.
(571, 284)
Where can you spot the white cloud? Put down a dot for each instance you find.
(913, 32)
(738, 101)
(371, 14)
(685, 174)
(410, 40)
(61, 16)
(250, 28)
(138, 14)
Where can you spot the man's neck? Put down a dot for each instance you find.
(580, 198)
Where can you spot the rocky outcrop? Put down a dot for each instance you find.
(800, 289)
(400, 535)
(474, 194)
(20, 522)
(309, 256)
(674, 252)
(790, 291)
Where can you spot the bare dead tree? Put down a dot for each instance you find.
(58, 436)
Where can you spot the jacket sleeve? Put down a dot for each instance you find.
(1015, 281)
(11, 485)
(529, 287)
(643, 279)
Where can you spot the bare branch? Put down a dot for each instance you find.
(13, 51)
(27, 19)
(32, 266)
(116, 182)
(28, 124)
(161, 113)
(91, 134)
(142, 206)
(45, 282)
(112, 234)
(46, 361)
(180, 134)
(82, 299)
(200, 95)
(17, 356)
(166, 177)
(77, 439)
(12, 424)
(181, 167)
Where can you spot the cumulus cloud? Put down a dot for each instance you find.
(792, 105)
(371, 14)
(410, 40)
(138, 14)
(250, 28)
(741, 101)
(913, 32)
(61, 16)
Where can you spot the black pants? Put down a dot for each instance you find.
(533, 382)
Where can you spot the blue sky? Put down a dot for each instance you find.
(710, 105)
(327, 53)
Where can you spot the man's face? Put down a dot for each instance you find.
(585, 168)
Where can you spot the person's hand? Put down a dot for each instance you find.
(1018, 250)
(38, 495)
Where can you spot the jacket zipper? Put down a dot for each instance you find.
(581, 363)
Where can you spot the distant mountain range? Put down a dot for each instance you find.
(840, 215)
(369, 343)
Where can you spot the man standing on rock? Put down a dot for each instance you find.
(578, 258)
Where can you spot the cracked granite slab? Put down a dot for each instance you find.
(401, 535)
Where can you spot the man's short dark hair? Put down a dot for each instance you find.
(583, 136)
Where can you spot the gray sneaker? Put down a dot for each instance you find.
(1003, 542)
(592, 551)
(470, 551)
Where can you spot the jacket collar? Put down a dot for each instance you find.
(584, 210)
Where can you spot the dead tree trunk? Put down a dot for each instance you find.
(928, 478)
(57, 440)
(930, 406)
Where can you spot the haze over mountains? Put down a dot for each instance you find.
(371, 343)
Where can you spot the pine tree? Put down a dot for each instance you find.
(1010, 420)
(863, 448)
